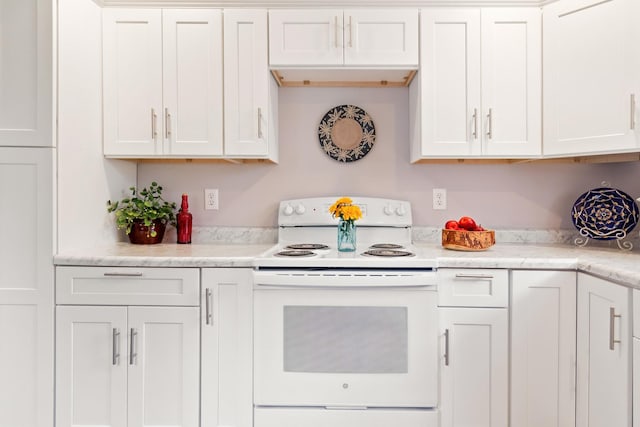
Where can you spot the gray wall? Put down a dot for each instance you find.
(525, 195)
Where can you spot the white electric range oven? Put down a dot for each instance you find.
(345, 339)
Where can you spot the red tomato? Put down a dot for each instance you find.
(479, 228)
(451, 225)
(467, 223)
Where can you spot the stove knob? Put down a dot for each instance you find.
(287, 210)
(300, 209)
(388, 210)
(400, 211)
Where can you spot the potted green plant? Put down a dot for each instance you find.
(144, 215)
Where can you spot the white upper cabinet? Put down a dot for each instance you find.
(591, 76)
(132, 81)
(478, 91)
(26, 79)
(250, 94)
(335, 37)
(192, 82)
(162, 82)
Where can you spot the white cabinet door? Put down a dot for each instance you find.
(359, 37)
(91, 366)
(227, 348)
(511, 82)
(636, 382)
(26, 286)
(543, 348)
(474, 369)
(473, 98)
(591, 76)
(26, 49)
(381, 37)
(192, 82)
(164, 375)
(305, 37)
(127, 366)
(248, 87)
(449, 84)
(604, 354)
(132, 82)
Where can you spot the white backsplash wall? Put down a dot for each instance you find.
(502, 196)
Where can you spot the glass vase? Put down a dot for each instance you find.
(346, 236)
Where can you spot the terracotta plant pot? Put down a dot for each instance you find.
(141, 234)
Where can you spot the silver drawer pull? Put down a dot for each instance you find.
(473, 276)
(259, 123)
(612, 328)
(132, 346)
(115, 352)
(122, 274)
(208, 314)
(446, 347)
(633, 111)
(475, 124)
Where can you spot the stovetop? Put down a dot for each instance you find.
(408, 257)
(384, 229)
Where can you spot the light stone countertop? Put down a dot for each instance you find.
(609, 263)
(164, 255)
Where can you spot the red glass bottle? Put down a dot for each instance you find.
(184, 220)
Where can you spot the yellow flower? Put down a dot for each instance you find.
(345, 209)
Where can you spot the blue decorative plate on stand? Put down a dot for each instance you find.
(605, 214)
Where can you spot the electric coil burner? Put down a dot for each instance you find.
(387, 253)
(345, 330)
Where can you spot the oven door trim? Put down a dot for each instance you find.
(417, 388)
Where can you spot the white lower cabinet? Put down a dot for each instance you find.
(26, 282)
(604, 353)
(227, 347)
(474, 368)
(543, 348)
(126, 365)
(636, 358)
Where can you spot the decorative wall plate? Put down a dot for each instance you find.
(346, 133)
(605, 214)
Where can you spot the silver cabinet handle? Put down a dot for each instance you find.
(350, 32)
(336, 31)
(208, 315)
(612, 327)
(473, 276)
(167, 124)
(446, 347)
(154, 122)
(633, 111)
(475, 123)
(260, 123)
(490, 124)
(122, 274)
(132, 346)
(115, 346)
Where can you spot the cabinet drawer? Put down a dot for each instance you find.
(127, 286)
(473, 287)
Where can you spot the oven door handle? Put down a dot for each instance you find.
(342, 280)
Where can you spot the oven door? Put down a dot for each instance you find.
(346, 345)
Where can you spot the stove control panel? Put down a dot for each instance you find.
(315, 212)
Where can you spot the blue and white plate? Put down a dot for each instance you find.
(346, 133)
(605, 214)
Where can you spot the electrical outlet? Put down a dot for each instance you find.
(211, 200)
(439, 199)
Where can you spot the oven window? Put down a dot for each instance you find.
(345, 339)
